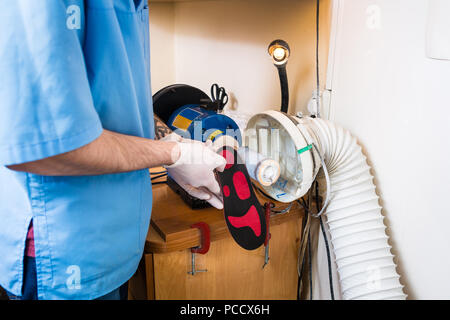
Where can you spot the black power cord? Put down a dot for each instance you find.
(330, 274)
(159, 172)
(307, 256)
(300, 276)
(158, 175)
(158, 182)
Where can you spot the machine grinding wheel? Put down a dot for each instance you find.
(170, 98)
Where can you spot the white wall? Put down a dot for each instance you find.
(225, 41)
(162, 44)
(395, 100)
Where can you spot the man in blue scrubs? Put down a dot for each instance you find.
(76, 142)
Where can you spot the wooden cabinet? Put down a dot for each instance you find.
(232, 272)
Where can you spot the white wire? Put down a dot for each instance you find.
(327, 178)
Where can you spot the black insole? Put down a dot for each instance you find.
(244, 214)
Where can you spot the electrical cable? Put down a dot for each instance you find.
(306, 240)
(301, 269)
(327, 179)
(159, 172)
(299, 281)
(159, 176)
(330, 274)
(307, 208)
(158, 182)
(282, 211)
(301, 257)
(302, 247)
(305, 244)
(309, 248)
(317, 60)
(324, 166)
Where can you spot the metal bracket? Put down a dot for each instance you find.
(268, 208)
(204, 247)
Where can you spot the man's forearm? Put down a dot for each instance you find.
(110, 153)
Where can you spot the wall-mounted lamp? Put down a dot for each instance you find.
(279, 51)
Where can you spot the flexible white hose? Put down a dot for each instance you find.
(364, 260)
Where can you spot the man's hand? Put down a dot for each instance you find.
(194, 170)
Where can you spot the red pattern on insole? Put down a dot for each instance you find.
(241, 185)
(229, 157)
(250, 219)
(226, 191)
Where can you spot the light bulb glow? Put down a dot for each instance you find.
(279, 51)
(279, 54)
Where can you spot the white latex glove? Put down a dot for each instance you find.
(194, 171)
(173, 137)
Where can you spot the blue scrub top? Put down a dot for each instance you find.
(68, 70)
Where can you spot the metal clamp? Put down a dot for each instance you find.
(268, 208)
(204, 246)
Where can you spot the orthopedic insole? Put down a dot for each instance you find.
(243, 213)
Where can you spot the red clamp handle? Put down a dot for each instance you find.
(205, 236)
(268, 207)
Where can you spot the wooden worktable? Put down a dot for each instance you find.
(172, 219)
(233, 272)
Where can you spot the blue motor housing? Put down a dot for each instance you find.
(192, 121)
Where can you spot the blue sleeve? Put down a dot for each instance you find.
(46, 105)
